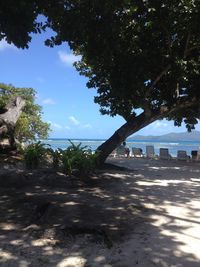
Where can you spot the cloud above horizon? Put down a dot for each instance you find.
(55, 125)
(160, 124)
(87, 126)
(5, 45)
(73, 120)
(68, 58)
(58, 126)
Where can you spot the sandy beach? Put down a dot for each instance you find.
(146, 215)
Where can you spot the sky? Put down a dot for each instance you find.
(68, 105)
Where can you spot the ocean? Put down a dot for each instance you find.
(94, 143)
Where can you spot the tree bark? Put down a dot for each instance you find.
(134, 124)
(8, 119)
(130, 127)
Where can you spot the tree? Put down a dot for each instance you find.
(18, 20)
(20, 116)
(142, 57)
(9, 115)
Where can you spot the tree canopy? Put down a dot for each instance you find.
(137, 54)
(141, 54)
(29, 126)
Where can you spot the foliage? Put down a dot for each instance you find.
(30, 125)
(56, 157)
(74, 158)
(77, 158)
(33, 154)
(145, 54)
(137, 54)
(18, 20)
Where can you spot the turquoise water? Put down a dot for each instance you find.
(94, 143)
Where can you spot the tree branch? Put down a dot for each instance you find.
(186, 45)
(193, 48)
(181, 103)
(160, 76)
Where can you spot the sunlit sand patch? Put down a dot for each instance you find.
(5, 256)
(17, 242)
(72, 261)
(59, 193)
(117, 175)
(157, 182)
(44, 242)
(71, 203)
(174, 221)
(23, 263)
(8, 226)
(165, 168)
(99, 259)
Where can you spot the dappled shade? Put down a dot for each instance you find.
(143, 216)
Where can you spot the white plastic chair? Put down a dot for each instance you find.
(121, 151)
(137, 152)
(164, 153)
(150, 153)
(182, 155)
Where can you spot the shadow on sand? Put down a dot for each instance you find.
(143, 217)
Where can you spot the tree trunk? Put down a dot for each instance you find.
(130, 127)
(8, 119)
(134, 124)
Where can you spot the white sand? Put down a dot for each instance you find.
(162, 200)
(171, 189)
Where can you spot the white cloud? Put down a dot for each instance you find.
(158, 128)
(67, 58)
(48, 101)
(58, 126)
(160, 124)
(88, 126)
(55, 125)
(4, 45)
(73, 120)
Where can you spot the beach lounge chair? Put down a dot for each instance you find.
(137, 152)
(113, 154)
(121, 151)
(182, 155)
(194, 154)
(150, 153)
(198, 155)
(164, 153)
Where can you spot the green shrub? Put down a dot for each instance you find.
(33, 154)
(56, 157)
(77, 158)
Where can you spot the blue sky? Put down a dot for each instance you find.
(67, 103)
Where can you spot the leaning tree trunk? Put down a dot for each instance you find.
(130, 127)
(8, 119)
(134, 124)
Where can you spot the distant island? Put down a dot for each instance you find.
(170, 137)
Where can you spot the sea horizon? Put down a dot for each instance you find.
(94, 143)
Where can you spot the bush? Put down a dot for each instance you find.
(56, 157)
(72, 159)
(33, 154)
(77, 158)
